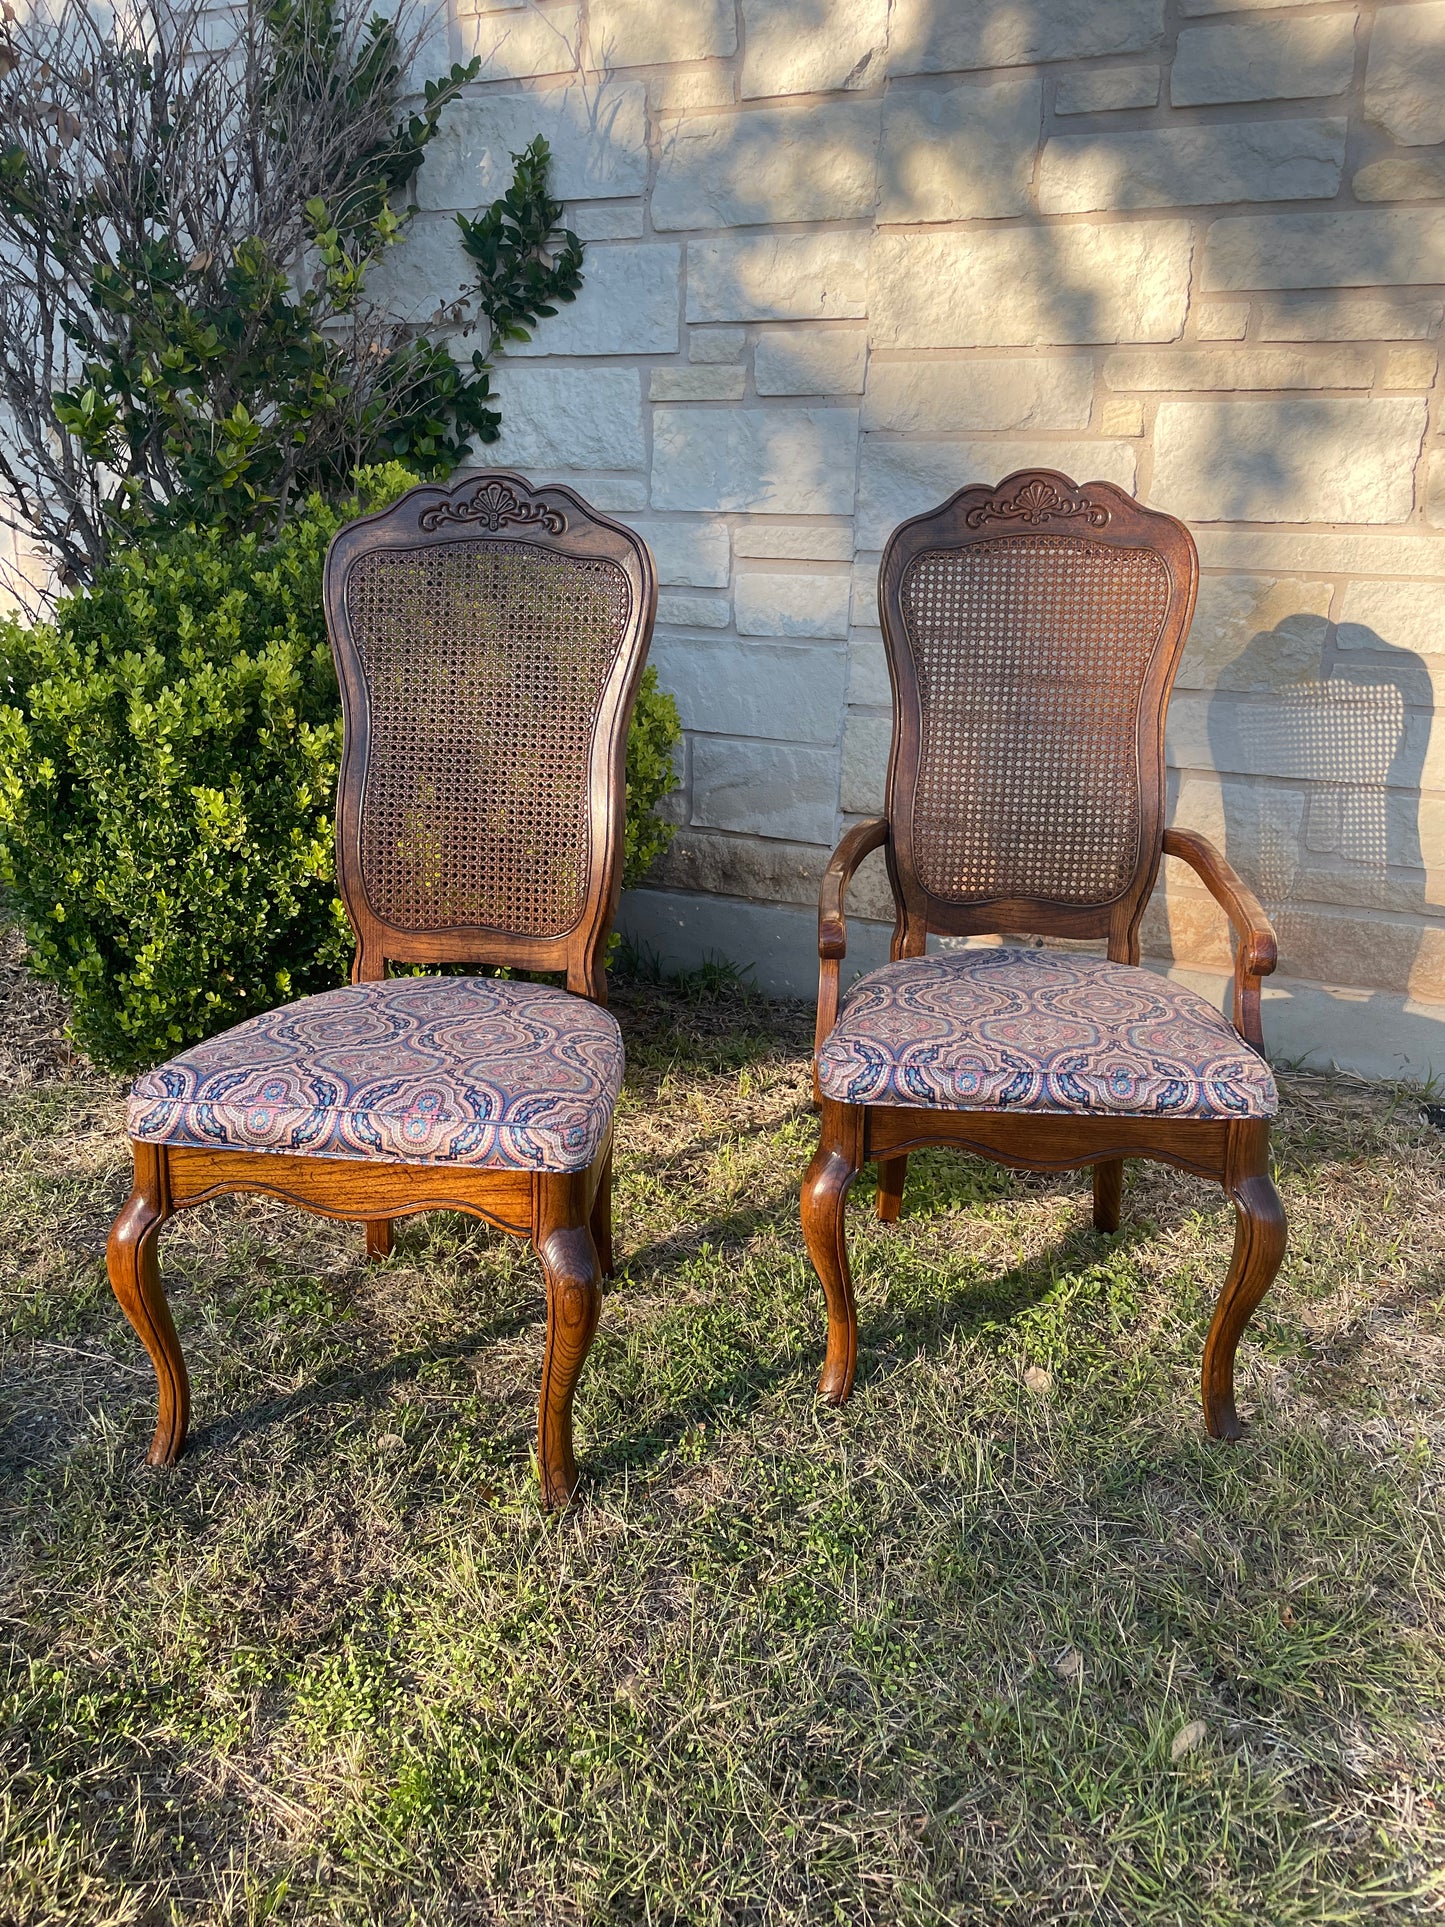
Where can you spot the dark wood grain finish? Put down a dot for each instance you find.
(562, 1234)
(1259, 1242)
(1255, 950)
(357, 1188)
(601, 1218)
(1141, 568)
(859, 842)
(829, 1178)
(892, 1178)
(1048, 1141)
(556, 560)
(1108, 1193)
(130, 1257)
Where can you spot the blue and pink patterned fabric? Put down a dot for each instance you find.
(1039, 1030)
(418, 1070)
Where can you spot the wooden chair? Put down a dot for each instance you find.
(488, 642)
(1032, 632)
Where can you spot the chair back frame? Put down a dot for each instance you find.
(1023, 507)
(495, 507)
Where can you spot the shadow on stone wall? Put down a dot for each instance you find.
(870, 131)
(1320, 772)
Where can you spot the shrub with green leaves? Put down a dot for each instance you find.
(169, 748)
(656, 732)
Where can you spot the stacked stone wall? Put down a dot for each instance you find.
(847, 255)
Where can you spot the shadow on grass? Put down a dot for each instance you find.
(367, 1390)
(712, 1337)
(712, 1030)
(888, 1333)
(714, 1346)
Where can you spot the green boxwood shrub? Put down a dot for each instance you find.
(169, 748)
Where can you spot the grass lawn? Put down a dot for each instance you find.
(1007, 1640)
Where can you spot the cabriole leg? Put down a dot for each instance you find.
(130, 1257)
(563, 1240)
(892, 1176)
(1259, 1242)
(1108, 1194)
(825, 1196)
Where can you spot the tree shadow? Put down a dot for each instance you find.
(961, 112)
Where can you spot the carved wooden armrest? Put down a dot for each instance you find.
(1255, 950)
(860, 841)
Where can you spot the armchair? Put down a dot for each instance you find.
(1033, 631)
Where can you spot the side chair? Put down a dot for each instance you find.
(1032, 632)
(488, 641)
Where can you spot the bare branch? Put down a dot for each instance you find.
(172, 133)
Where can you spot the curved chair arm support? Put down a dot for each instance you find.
(1255, 950)
(860, 841)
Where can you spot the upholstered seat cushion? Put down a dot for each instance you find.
(418, 1070)
(1039, 1030)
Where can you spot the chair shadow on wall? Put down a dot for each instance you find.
(1330, 819)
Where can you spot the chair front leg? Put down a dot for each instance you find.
(563, 1240)
(1259, 1242)
(825, 1198)
(378, 1238)
(130, 1258)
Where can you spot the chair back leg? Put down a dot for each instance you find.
(1108, 1194)
(892, 1176)
(130, 1258)
(601, 1219)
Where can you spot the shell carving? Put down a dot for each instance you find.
(493, 506)
(1038, 501)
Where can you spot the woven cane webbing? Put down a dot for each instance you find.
(1031, 654)
(485, 664)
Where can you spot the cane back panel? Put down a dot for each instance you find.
(1033, 631)
(489, 642)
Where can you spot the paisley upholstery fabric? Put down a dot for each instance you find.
(418, 1070)
(1039, 1030)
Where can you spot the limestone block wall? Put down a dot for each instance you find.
(846, 255)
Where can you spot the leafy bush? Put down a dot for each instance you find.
(656, 731)
(169, 749)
